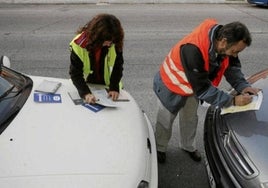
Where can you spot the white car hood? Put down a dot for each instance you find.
(66, 145)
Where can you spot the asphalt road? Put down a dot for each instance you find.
(36, 39)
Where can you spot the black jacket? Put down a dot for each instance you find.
(76, 72)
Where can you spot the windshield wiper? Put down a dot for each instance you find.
(7, 92)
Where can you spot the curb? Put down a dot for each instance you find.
(107, 2)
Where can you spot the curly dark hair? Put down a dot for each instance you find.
(103, 27)
(234, 32)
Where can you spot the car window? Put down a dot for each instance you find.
(4, 85)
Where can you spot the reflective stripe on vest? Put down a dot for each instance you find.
(174, 75)
(172, 71)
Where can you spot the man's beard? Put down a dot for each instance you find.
(223, 50)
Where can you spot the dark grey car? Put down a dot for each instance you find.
(258, 2)
(236, 144)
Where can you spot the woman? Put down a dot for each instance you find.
(97, 56)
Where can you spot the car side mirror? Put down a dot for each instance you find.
(5, 61)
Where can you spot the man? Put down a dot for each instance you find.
(191, 72)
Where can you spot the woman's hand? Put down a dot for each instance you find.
(90, 98)
(113, 95)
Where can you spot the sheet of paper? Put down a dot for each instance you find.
(100, 94)
(47, 86)
(254, 105)
(122, 94)
(102, 98)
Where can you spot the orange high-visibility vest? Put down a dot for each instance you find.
(172, 71)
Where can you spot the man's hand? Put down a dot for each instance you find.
(251, 90)
(243, 99)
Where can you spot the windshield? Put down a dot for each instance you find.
(4, 86)
(15, 89)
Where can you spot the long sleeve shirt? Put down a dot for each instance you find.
(97, 77)
(200, 79)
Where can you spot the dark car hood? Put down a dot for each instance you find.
(251, 130)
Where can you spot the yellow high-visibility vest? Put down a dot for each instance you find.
(83, 54)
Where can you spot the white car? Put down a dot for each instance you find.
(47, 141)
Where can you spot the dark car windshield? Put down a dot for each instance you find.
(15, 88)
(4, 86)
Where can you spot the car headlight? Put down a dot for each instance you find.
(238, 156)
